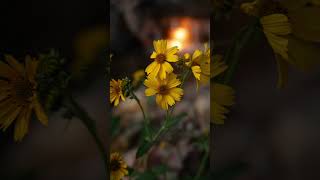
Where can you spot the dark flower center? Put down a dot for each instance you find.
(163, 90)
(115, 165)
(23, 90)
(117, 89)
(160, 58)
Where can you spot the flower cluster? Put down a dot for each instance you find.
(163, 80)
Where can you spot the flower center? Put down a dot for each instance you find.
(163, 90)
(23, 90)
(117, 89)
(273, 7)
(160, 58)
(115, 165)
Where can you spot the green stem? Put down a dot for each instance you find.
(202, 165)
(79, 112)
(142, 110)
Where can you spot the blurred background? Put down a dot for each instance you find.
(135, 24)
(77, 30)
(270, 133)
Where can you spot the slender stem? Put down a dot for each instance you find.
(202, 165)
(142, 110)
(79, 112)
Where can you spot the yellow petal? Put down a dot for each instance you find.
(167, 67)
(41, 115)
(196, 70)
(6, 71)
(277, 24)
(150, 68)
(22, 124)
(153, 55)
(282, 67)
(31, 68)
(9, 117)
(15, 64)
(162, 72)
(150, 92)
(279, 44)
(176, 93)
(151, 83)
(222, 94)
(169, 100)
(172, 58)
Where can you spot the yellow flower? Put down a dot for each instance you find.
(166, 90)
(116, 91)
(192, 62)
(18, 98)
(160, 67)
(199, 64)
(117, 166)
(221, 95)
(292, 29)
(137, 77)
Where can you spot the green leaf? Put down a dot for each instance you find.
(144, 147)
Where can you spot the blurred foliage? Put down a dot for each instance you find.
(53, 79)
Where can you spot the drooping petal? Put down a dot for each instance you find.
(282, 66)
(41, 115)
(22, 124)
(6, 71)
(196, 70)
(9, 117)
(15, 64)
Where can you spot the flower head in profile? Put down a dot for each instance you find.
(160, 67)
(138, 76)
(118, 167)
(221, 95)
(167, 91)
(292, 31)
(18, 95)
(199, 63)
(116, 91)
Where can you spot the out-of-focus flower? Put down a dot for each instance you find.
(221, 95)
(116, 91)
(199, 64)
(138, 77)
(162, 55)
(166, 90)
(292, 30)
(117, 166)
(192, 63)
(18, 95)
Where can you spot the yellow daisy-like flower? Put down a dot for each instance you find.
(162, 55)
(167, 91)
(221, 95)
(292, 30)
(199, 64)
(118, 167)
(18, 98)
(138, 76)
(116, 91)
